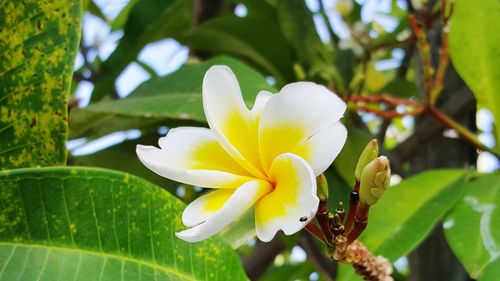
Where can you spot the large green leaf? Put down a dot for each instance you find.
(172, 98)
(408, 212)
(92, 224)
(255, 38)
(474, 41)
(38, 42)
(472, 227)
(491, 271)
(122, 157)
(148, 21)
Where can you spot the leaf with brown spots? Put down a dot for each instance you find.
(38, 43)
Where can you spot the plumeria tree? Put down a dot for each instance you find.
(269, 140)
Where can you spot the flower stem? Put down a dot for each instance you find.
(353, 206)
(315, 231)
(322, 218)
(360, 222)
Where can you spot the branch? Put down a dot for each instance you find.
(262, 257)
(400, 74)
(427, 128)
(320, 261)
(461, 130)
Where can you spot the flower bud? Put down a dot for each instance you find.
(369, 154)
(374, 180)
(322, 189)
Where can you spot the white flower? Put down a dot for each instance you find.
(267, 156)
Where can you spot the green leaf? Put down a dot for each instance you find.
(92, 224)
(401, 88)
(339, 190)
(298, 27)
(172, 98)
(92, 8)
(122, 157)
(408, 212)
(474, 41)
(374, 79)
(472, 229)
(38, 43)
(147, 68)
(148, 21)
(344, 61)
(491, 271)
(345, 163)
(120, 20)
(255, 38)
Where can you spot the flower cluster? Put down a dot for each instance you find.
(267, 156)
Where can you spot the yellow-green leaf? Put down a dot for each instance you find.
(474, 42)
(38, 42)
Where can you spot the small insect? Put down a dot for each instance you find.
(303, 219)
(354, 196)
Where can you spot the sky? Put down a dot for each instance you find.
(168, 55)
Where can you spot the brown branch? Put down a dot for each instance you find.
(262, 257)
(427, 128)
(425, 54)
(389, 44)
(415, 107)
(437, 86)
(383, 98)
(318, 258)
(461, 130)
(400, 74)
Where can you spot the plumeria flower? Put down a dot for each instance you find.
(268, 156)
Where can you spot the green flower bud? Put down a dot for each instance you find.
(322, 189)
(369, 154)
(375, 180)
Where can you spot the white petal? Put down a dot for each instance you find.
(259, 104)
(242, 199)
(230, 119)
(293, 116)
(205, 206)
(323, 147)
(293, 202)
(193, 156)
